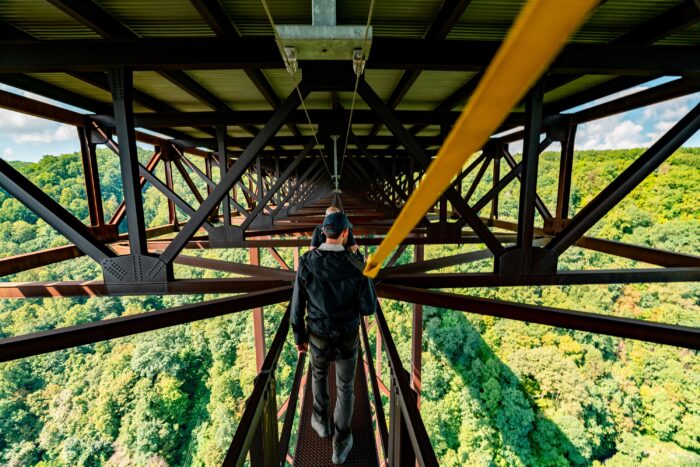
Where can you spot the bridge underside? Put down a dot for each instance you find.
(255, 150)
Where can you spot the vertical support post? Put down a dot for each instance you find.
(417, 334)
(528, 183)
(92, 178)
(207, 171)
(223, 166)
(264, 450)
(496, 179)
(258, 319)
(400, 448)
(121, 86)
(443, 213)
(259, 170)
(249, 199)
(172, 213)
(378, 348)
(234, 193)
(296, 258)
(565, 168)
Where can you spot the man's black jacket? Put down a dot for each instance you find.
(335, 292)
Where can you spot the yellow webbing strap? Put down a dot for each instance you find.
(539, 33)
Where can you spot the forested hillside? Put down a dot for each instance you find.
(495, 392)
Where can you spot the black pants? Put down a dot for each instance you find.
(342, 350)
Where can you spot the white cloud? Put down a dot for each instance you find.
(626, 135)
(22, 128)
(660, 128)
(515, 147)
(60, 133)
(7, 153)
(673, 109)
(636, 128)
(611, 133)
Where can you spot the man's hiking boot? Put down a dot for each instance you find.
(341, 449)
(323, 430)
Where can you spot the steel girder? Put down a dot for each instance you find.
(387, 53)
(649, 331)
(52, 213)
(626, 182)
(63, 338)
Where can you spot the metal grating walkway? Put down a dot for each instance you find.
(313, 451)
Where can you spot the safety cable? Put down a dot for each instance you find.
(358, 72)
(292, 73)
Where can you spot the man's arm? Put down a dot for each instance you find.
(352, 243)
(368, 297)
(298, 310)
(316, 240)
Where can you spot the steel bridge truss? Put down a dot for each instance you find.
(267, 191)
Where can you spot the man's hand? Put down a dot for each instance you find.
(354, 248)
(302, 348)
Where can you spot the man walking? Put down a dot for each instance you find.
(319, 237)
(330, 286)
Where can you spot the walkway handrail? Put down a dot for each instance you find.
(291, 409)
(260, 408)
(376, 394)
(401, 388)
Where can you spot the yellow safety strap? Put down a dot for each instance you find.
(539, 33)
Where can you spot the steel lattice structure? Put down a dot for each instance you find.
(83, 54)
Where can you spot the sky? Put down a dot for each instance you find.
(27, 138)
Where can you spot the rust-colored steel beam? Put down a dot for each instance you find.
(605, 276)
(234, 173)
(421, 266)
(177, 287)
(640, 253)
(275, 254)
(625, 250)
(172, 213)
(156, 245)
(120, 212)
(64, 338)
(188, 180)
(235, 268)
(281, 229)
(26, 261)
(39, 109)
(417, 280)
(417, 334)
(258, 318)
(649, 331)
